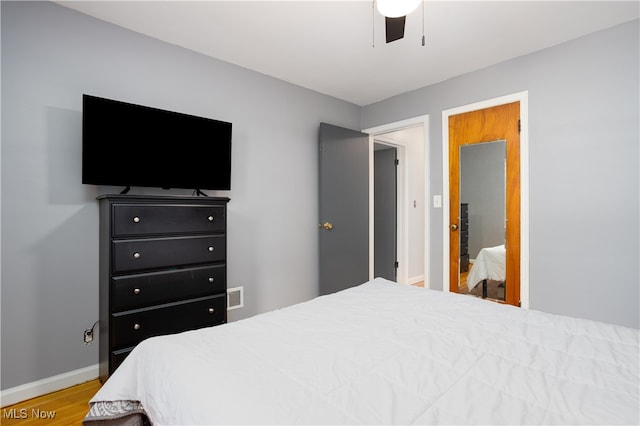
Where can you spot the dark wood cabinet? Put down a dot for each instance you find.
(464, 237)
(162, 269)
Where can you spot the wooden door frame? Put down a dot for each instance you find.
(523, 99)
(422, 121)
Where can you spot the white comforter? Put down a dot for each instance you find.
(384, 353)
(490, 264)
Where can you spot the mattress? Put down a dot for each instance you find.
(385, 353)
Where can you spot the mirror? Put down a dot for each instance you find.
(483, 219)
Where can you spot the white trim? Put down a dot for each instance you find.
(524, 201)
(371, 215)
(50, 384)
(523, 98)
(415, 279)
(422, 121)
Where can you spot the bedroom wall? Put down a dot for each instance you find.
(584, 174)
(51, 56)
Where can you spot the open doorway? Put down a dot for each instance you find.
(385, 209)
(408, 139)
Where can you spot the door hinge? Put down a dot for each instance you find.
(396, 264)
(519, 126)
(397, 161)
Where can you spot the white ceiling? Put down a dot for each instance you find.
(327, 46)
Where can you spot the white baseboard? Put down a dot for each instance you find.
(50, 384)
(415, 279)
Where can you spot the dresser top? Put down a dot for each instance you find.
(163, 198)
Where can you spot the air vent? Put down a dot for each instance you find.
(235, 298)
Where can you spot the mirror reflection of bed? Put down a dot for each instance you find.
(485, 277)
(482, 198)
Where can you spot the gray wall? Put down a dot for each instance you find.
(584, 156)
(50, 57)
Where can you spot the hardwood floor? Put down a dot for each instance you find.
(64, 407)
(462, 286)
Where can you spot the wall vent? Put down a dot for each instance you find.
(235, 298)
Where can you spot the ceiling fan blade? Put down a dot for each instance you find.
(394, 28)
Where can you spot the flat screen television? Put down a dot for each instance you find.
(124, 144)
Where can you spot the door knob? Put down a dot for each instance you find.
(454, 227)
(328, 226)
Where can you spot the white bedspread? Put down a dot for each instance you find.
(490, 264)
(384, 353)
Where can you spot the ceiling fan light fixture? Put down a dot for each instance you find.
(396, 8)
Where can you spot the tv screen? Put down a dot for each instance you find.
(127, 145)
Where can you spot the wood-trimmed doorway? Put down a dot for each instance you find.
(499, 119)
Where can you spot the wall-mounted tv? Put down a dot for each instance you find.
(124, 144)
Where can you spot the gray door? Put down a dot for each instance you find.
(344, 208)
(384, 211)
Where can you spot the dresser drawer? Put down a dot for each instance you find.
(118, 356)
(131, 327)
(156, 253)
(144, 219)
(464, 247)
(153, 288)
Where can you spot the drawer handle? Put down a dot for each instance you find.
(210, 248)
(210, 218)
(136, 326)
(211, 310)
(136, 291)
(136, 219)
(211, 279)
(136, 255)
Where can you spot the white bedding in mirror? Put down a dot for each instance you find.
(490, 264)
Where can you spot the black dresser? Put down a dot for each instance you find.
(162, 269)
(464, 237)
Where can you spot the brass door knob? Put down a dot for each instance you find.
(328, 226)
(454, 227)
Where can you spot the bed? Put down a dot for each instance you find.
(490, 264)
(382, 353)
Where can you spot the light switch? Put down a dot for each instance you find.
(437, 201)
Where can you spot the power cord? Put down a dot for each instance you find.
(88, 333)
